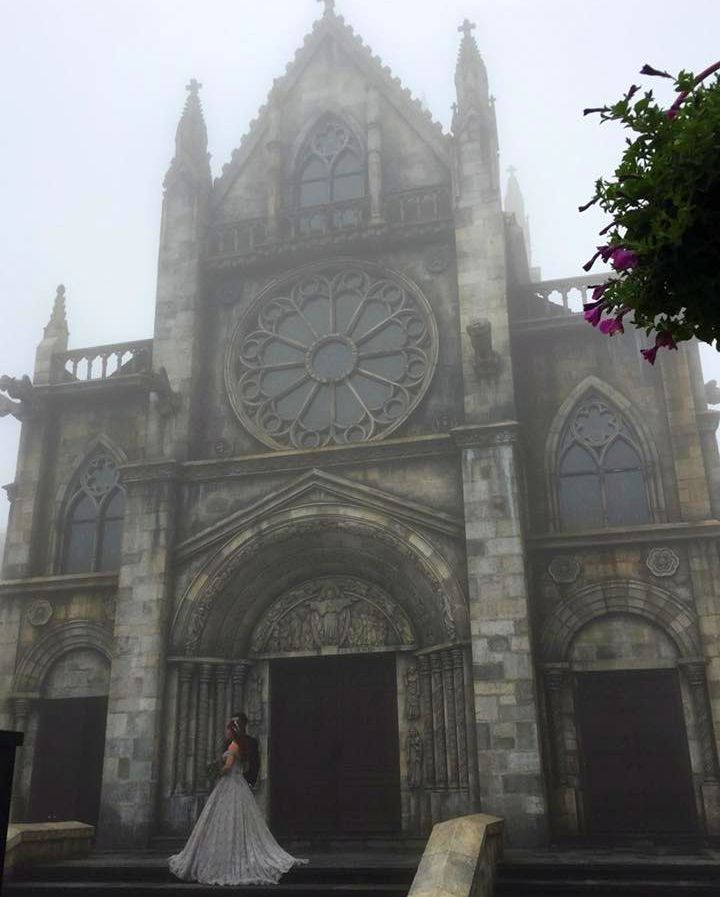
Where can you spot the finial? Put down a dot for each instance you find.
(193, 87)
(467, 28)
(511, 170)
(329, 6)
(58, 319)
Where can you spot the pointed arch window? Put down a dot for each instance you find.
(93, 523)
(602, 474)
(332, 167)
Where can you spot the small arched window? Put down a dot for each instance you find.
(602, 476)
(331, 168)
(93, 523)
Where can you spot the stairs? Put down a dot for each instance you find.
(141, 875)
(583, 874)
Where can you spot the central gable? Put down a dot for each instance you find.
(332, 73)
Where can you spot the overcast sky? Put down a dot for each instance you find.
(92, 91)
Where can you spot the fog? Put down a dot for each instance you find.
(92, 91)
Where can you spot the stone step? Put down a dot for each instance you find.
(174, 887)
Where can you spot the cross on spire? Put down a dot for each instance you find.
(193, 87)
(467, 28)
(329, 6)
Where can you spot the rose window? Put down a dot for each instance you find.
(331, 356)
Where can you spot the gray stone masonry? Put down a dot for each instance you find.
(506, 709)
(133, 737)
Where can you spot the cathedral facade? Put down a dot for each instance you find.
(448, 547)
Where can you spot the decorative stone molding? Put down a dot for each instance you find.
(503, 433)
(215, 581)
(444, 422)
(254, 708)
(66, 582)
(149, 472)
(437, 259)
(11, 490)
(631, 597)
(39, 658)
(39, 613)
(697, 677)
(110, 607)
(708, 421)
(564, 568)
(221, 447)
(662, 562)
(332, 612)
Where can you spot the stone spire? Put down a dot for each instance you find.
(329, 7)
(57, 325)
(191, 155)
(515, 205)
(471, 80)
(55, 340)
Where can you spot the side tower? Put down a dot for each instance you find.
(506, 709)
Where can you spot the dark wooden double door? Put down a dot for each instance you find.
(68, 761)
(334, 764)
(636, 763)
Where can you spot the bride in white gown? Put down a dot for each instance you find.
(230, 843)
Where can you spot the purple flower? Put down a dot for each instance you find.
(664, 340)
(611, 326)
(671, 113)
(597, 292)
(593, 312)
(649, 70)
(622, 259)
(603, 252)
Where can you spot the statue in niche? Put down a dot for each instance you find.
(414, 749)
(412, 693)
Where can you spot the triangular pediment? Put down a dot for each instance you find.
(316, 487)
(332, 27)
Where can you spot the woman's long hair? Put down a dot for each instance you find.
(237, 733)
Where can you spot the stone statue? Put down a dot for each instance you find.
(487, 361)
(414, 759)
(412, 693)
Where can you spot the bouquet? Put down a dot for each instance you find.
(212, 770)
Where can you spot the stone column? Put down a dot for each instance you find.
(706, 736)
(460, 701)
(506, 708)
(438, 720)
(201, 741)
(239, 675)
(451, 718)
(222, 710)
(137, 687)
(374, 144)
(183, 719)
(192, 740)
(427, 718)
(23, 764)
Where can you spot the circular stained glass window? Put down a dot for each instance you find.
(331, 355)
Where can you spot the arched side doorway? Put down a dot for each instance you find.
(348, 621)
(61, 689)
(627, 723)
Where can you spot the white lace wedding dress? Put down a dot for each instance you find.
(230, 843)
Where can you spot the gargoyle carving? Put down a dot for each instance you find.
(487, 361)
(19, 389)
(712, 392)
(168, 400)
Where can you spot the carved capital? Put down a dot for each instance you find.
(205, 673)
(185, 673)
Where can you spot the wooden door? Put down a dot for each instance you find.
(635, 759)
(67, 766)
(334, 748)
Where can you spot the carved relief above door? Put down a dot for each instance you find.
(335, 612)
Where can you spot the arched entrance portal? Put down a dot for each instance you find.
(343, 635)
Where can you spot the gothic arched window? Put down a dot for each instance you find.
(331, 167)
(93, 523)
(602, 476)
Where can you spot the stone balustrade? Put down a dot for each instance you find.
(564, 295)
(103, 362)
(259, 235)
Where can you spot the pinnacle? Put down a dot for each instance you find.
(58, 318)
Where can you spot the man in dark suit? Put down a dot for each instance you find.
(252, 770)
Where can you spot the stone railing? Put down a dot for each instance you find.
(411, 207)
(417, 206)
(460, 858)
(103, 362)
(567, 294)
